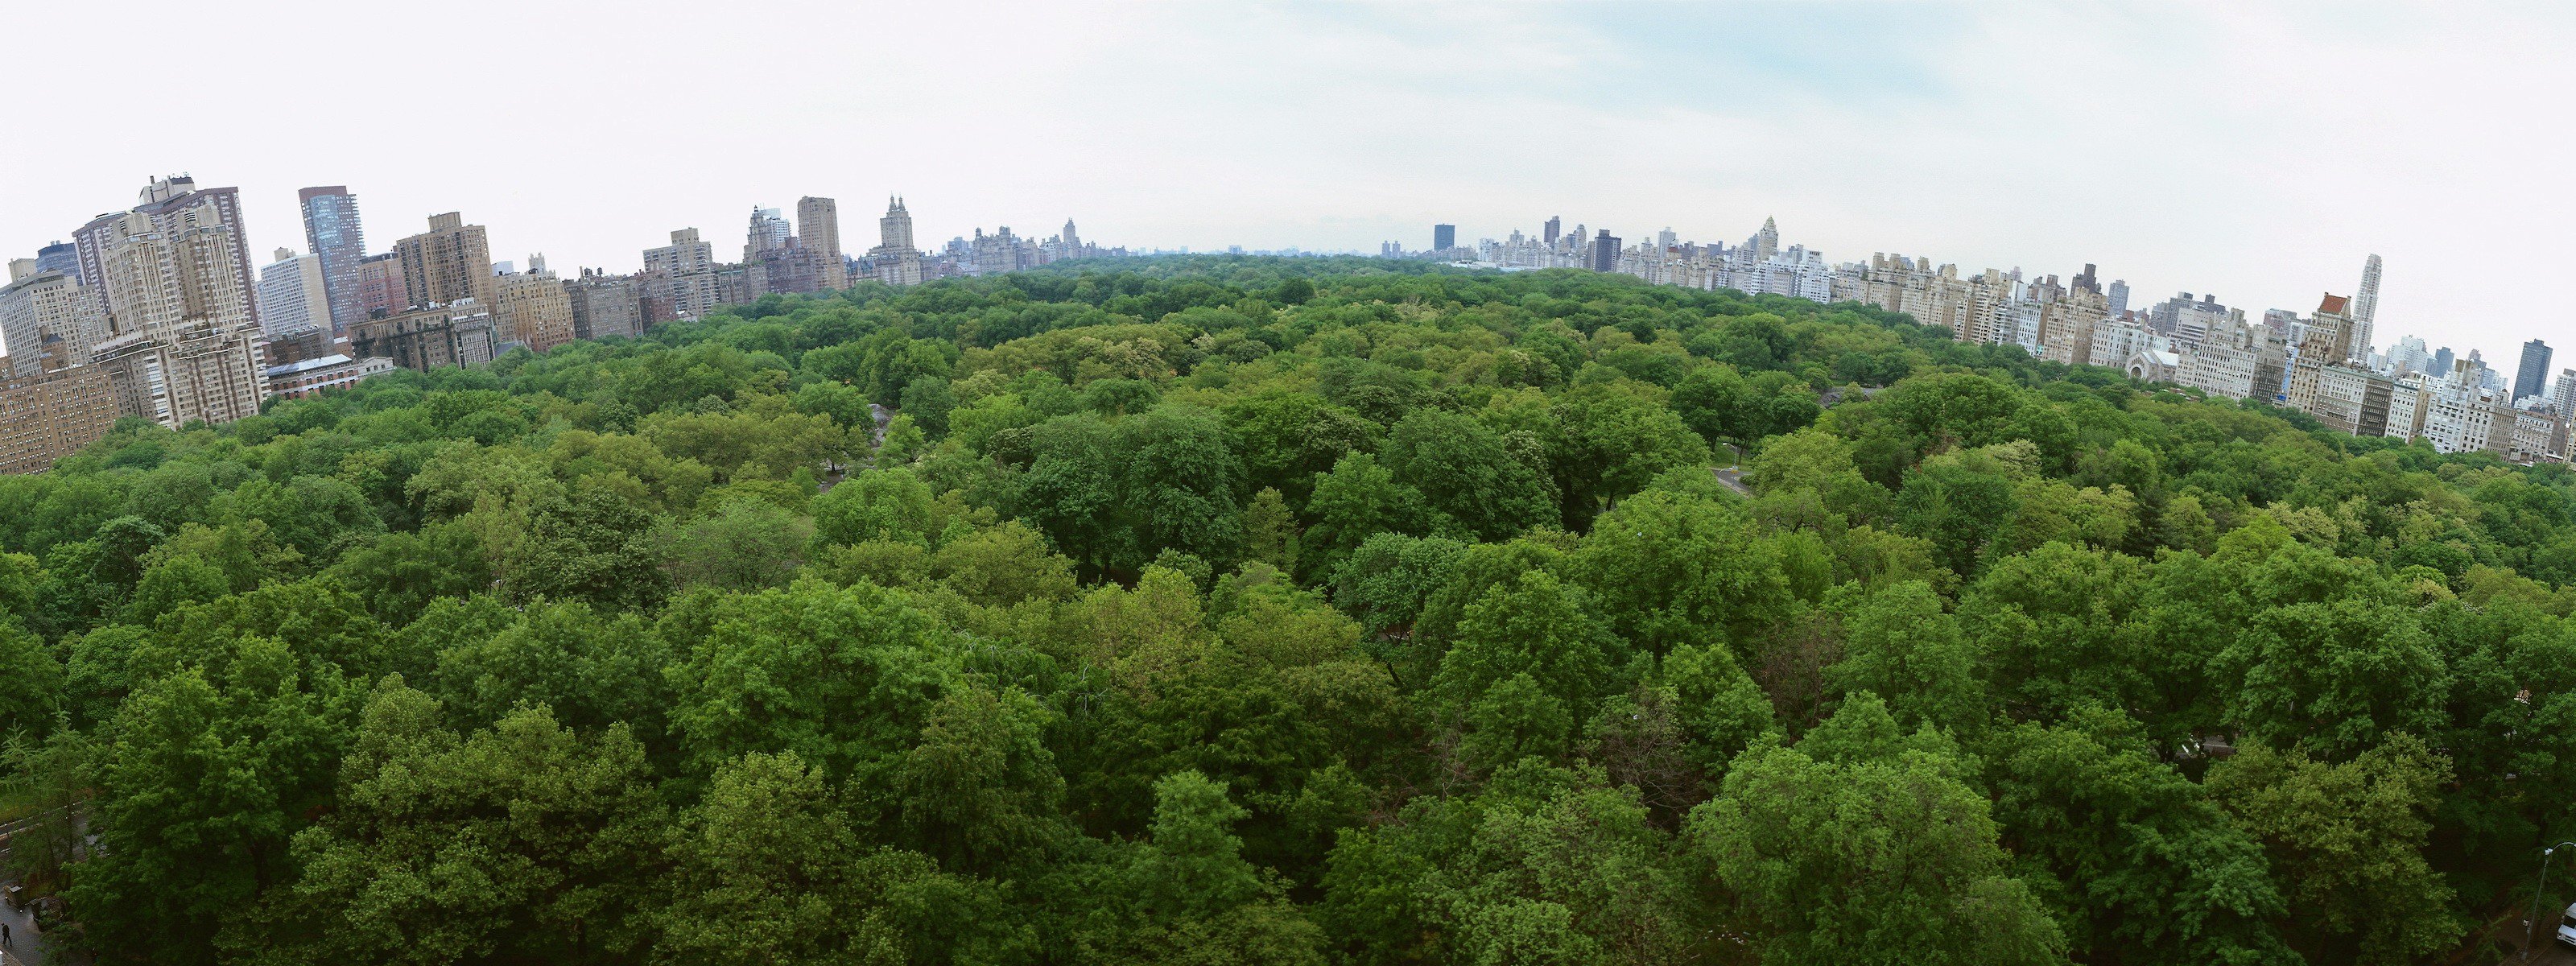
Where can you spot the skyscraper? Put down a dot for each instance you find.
(2442, 361)
(818, 229)
(450, 261)
(181, 342)
(2119, 296)
(1547, 235)
(2529, 378)
(293, 294)
(2087, 280)
(333, 235)
(1444, 237)
(2365, 309)
(1766, 243)
(166, 202)
(1605, 252)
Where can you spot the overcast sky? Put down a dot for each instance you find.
(2252, 151)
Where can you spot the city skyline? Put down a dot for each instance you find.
(1871, 128)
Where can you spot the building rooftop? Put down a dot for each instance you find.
(307, 365)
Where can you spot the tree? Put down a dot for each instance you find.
(2348, 840)
(31, 682)
(1898, 642)
(590, 546)
(1832, 856)
(2149, 869)
(743, 545)
(980, 792)
(1668, 570)
(842, 677)
(1534, 628)
(1466, 476)
(525, 842)
(767, 869)
(209, 774)
(1189, 897)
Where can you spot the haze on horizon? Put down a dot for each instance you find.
(2257, 152)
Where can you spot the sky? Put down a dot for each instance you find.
(2258, 152)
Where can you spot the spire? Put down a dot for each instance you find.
(1770, 224)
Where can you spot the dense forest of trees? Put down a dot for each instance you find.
(1224, 611)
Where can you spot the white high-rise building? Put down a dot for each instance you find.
(292, 295)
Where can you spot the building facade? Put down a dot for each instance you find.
(460, 333)
(169, 204)
(605, 305)
(47, 320)
(293, 294)
(450, 262)
(532, 309)
(181, 343)
(49, 415)
(335, 237)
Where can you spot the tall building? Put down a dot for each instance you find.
(1547, 233)
(818, 230)
(2119, 296)
(1765, 243)
(1444, 237)
(293, 294)
(381, 289)
(2326, 341)
(450, 262)
(181, 343)
(894, 231)
(1605, 252)
(332, 233)
(2562, 395)
(768, 232)
(2442, 361)
(683, 277)
(2365, 309)
(2529, 379)
(165, 203)
(531, 308)
(61, 256)
(897, 262)
(47, 320)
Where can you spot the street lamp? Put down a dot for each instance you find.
(2531, 925)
